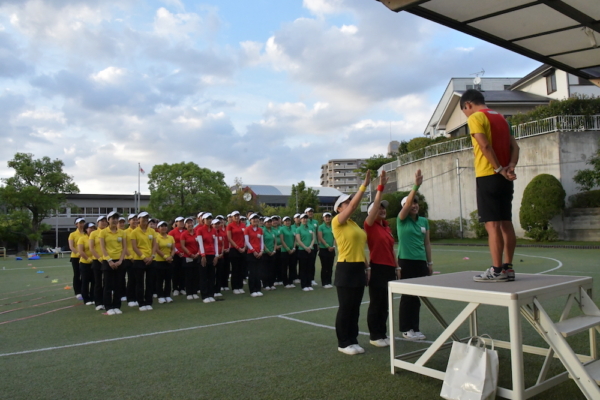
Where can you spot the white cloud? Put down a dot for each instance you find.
(110, 75)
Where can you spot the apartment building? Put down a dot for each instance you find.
(339, 174)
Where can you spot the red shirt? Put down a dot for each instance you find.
(223, 241)
(381, 243)
(197, 229)
(176, 233)
(208, 240)
(255, 239)
(190, 243)
(237, 233)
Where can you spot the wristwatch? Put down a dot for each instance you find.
(499, 169)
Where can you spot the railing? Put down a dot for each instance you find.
(562, 123)
(3, 251)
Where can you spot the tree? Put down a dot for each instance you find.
(543, 198)
(373, 163)
(38, 187)
(587, 179)
(237, 201)
(15, 228)
(184, 189)
(307, 197)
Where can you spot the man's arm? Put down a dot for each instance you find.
(490, 155)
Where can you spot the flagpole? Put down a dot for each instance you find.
(139, 199)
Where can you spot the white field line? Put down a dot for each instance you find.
(37, 268)
(560, 264)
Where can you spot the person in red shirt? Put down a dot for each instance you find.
(235, 236)
(191, 252)
(178, 276)
(223, 267)
(209, 253)
(253, 236)
(383, 266)
(200, 219)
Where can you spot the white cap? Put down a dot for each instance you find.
(188, 219)
(343, 198)
(267, 219)
(235, 213)
(219, 217)
(161, 223)
(143, 214)
(384, 203)
(100, 218)
(112, 214)
(308, 209)
(286, 218)
(255, 215)
(122, 219)
(242, 217)
(207, 215)
(303, 216)
(275, 217)
(296, 215)
(89, 225)
(200, 214)
(178, 219)
(403, 202)
(78, 220)
(131, 216)
(327, 214)
(216, 221)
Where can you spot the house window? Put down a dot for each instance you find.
(584, 82)
(551, 83)
(476, 87)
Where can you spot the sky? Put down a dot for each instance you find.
(262, 90)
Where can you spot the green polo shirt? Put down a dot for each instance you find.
(411, 238)
(289, 237)
(327, 234)
(269, 239)
(306, 235)
(277, 238)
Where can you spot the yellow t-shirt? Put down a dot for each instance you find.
(144, 241)
(95, 236)
(497, 132)
(84, 240)
(113, 242)
(351, 240)
(165, 244)
(74, 236)
(130, 253)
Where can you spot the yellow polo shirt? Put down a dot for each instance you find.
(95, 236)
(84, 240)
(351, 240)
(74, 236)
(113, 242)
(165, 245)
(144, 241)
(129, 235)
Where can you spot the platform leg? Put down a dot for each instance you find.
(516, 352)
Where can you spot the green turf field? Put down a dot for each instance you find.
(279, 346)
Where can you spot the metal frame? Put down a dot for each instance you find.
(526, 303)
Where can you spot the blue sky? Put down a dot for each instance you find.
(263, 90)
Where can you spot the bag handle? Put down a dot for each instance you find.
(481, 341)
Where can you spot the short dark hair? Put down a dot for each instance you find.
(472, 96)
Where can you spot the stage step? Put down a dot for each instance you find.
(576, 325)
(593, 370)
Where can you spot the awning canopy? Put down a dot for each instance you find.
(561, 33)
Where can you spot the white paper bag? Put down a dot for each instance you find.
(472, 372)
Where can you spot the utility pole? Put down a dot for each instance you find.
(459, 199)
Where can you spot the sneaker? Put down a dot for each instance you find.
(235, 291)
(245, 282)
(306, 289)
(98, 308)
(155, 295)
(161, 300)
(225, 288)
(206, 300)
(379, 343)
(273, 288)
(387, 341)
(195, 296)
(420, 336)
(175, 292)
(218, 295)
(267, 288)
(197, 291)
(182, 292)
(89, 303)
(242, 291)
(358, 348)
(313, 283)
(310, 288)
(79, 297)
(491, 276)
(117, 311)
(143, 308)
(253, 294)
(259, 294)
(410, 335)
(169, 300)
(292, 285)
(350, 350)
(149, 308)
(296, 280)
(110, 312)
(510, 272)
(212, 299)
(190, 297)
(123, 298)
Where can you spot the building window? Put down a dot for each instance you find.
(551, 83)
(476, 87)
(350, 163)
(584, 82)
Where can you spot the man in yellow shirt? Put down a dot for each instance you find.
(114, 248)
(142, 241)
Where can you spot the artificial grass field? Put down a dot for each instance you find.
(279, 346)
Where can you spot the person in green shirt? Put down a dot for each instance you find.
(326, 250)
(295, 225)
(305, 240)
(278, 268)
(268, 257)
(314, 225)
(289, 259)
(414, 257)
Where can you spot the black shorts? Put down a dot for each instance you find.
(494, 198)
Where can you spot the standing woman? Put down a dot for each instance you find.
(128, 262)
(253, 236)
(96, 251)
(326, 250)
(223, 266)
(178, 274)
(190, 250)
(235, 236)
(352, 272)
(295, 225)
(414, 257)
(275, 222)
(123, 268)
(313, 224)
(73, 240)
(113, 243)
(288, 253)
(164, 250)
(143, 241)
(85, 265)
(305, 240)
(384, 266)
(268, 264)
(209, 250)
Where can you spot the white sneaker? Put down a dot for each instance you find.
(195, 296)
(190, 297)
(288, 286)
(410, 335)
(218, 295)
(148, 308)
(259, 294)
(267, 288)
(306, 289)
(226, 288)
(420, 336)
(155, 295)
(161, 300)
(235, 291)
(273, 288)
(79, 297)
(387, 341)
(182, 292)
(358, 348)
(296, 280)
(310, 288)
(350, 350)
(206, 300)
(245, 282)
(489, 275)
(379, 343)
(314, 283)
(110, 312)
(212, 299)
(117, 311)
(143, 308)
(89, 303)
(169, 300)
(253, 294)
(292, 285)
(175, 292)
(98, 308)
(136, 304)
(123, 298)
(242, 291)
(327, 286)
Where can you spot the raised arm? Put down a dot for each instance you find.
(406, 209)
(372, 216)
(347, 212)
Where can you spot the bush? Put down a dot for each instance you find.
(445, 229)
(543, 198)
(396, 197)
(542, 235)
(393, 227)
(590, 199)
(477, 227)
(576, 105)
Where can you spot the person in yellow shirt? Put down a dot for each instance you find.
(123, 269)
(352, 271)
(128, 262)
(96, 250)
(164, 249)
(142, 242)
(85, 264)
(114, 248)
(73, 239)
